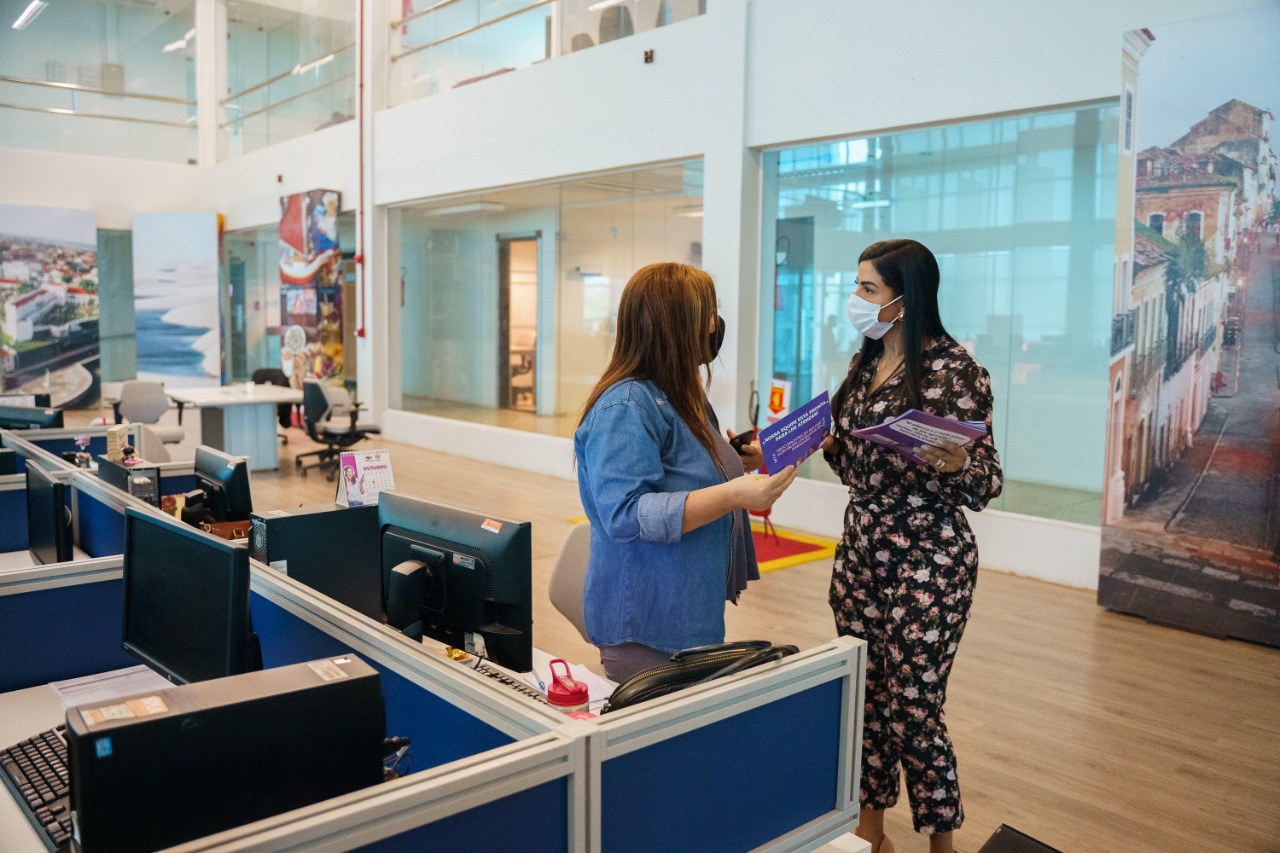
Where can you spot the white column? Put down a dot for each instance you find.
(731, 211)
(211, 76)
(378, 356)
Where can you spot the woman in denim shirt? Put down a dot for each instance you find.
(662, 489)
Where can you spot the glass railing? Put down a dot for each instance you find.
(437, 45)
(77, 119)
(314, 94)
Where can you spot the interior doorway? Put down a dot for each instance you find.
(518, 322)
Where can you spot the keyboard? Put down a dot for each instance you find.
(35, 770)
(513, 683)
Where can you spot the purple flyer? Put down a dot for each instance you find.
(798, 435)
(907, 432)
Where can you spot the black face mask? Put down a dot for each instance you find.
(716, 338)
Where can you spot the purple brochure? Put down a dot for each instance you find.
(913, 428)
(796, 436)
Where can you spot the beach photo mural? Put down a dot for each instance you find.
(49, 304)
(1191, 503)
(175, 288)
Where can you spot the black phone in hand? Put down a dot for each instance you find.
(741, 440)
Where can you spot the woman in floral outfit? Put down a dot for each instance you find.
(905, 569)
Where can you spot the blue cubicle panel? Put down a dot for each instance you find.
(59, 622)
(749, 758)
(440, 732)
(99, 515)
(13, 512)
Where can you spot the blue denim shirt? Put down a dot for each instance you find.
(646, 582)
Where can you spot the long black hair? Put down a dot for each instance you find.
(911, 271)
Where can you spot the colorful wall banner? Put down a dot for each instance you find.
(1191, 533)
(49, 304)
(310, 286)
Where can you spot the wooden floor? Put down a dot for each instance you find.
(1085, 729)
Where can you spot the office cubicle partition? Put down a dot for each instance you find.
(64, 621)
(768, 757)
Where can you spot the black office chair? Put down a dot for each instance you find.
(331, 419)
(284, 411)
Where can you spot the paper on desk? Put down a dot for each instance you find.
(598, 689)
(106, 686)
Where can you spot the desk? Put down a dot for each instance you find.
(240, 422)
(24, 713)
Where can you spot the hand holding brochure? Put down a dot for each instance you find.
(913, 428)
(795, 437)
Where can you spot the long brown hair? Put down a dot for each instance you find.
(664, 318)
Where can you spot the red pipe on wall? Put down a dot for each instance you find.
(360, 119)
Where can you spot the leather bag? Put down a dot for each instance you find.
(693, 666)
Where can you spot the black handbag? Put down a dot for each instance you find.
(693, 666)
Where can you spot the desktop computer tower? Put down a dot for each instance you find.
(333, 549)
(141, 480)
(158, 769)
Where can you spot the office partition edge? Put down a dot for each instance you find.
(472, 693)
(57, 575)
(387, 810)
(55, 465)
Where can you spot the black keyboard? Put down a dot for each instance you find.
(35, 770)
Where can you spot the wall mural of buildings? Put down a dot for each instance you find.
(1191, 532)
(49, 304)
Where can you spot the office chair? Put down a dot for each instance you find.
(569, 575)
(615, 22)
(331, 419)
(146, 403)
(284, 411)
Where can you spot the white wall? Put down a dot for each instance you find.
(247, 189)
(114, 188)
(823, 68)
(591, 111)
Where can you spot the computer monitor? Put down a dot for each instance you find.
(459, 577)
(224, 480)
(48, 517)
(186, 600)
(29, 417)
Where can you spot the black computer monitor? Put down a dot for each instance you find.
(459, 577)
(224, 480)
(29, 417)
(186, 600)
(48, 517)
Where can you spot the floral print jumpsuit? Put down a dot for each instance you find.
(904, 575)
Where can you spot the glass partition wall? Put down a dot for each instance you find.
(290, 70)
(1020, 212)
(509, 299)
(436, 45)
(106, 77)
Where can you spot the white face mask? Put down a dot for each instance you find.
(864, 316)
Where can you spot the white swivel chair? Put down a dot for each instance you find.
(569, 576)
(146, 403)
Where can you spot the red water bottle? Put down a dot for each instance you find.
(565, 694)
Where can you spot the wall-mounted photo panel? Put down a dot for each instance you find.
(49, 304)
(175, 285)
(1191, 533)
(310, 288)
